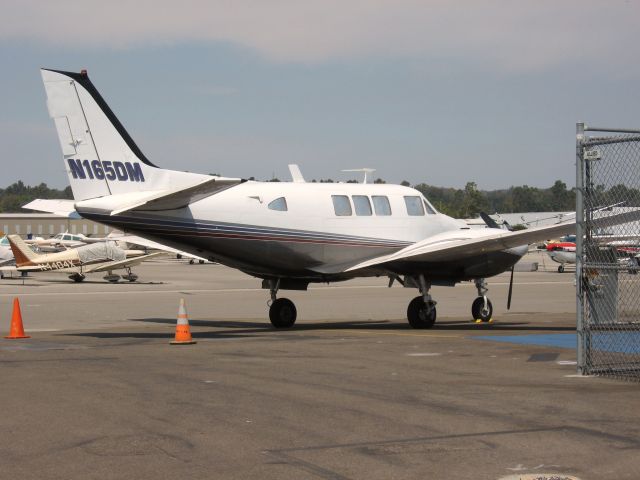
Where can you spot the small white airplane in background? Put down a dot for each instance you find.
(77, 262)
(287, 234)
(60, 242)
(6, 255)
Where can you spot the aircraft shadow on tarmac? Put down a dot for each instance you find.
(237, 329)
(33, 282)
(98, 282)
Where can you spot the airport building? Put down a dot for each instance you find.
(47, 224)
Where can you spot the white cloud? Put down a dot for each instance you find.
(505, 34)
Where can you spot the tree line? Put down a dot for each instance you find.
(14, 196)
(470, 201)
(459, 203)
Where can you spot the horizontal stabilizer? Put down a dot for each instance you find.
(63, 208)
(177, 198)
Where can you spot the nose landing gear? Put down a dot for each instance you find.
(481, 308)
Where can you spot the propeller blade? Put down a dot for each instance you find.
(491, 223)
(510, 289)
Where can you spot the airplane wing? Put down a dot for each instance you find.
(468, 243)
(129, 262)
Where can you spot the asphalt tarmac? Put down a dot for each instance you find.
(351, 392)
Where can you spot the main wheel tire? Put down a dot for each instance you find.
(478, 311)
(561, 269)
(421, 315)
(77, 277)
(283, 313)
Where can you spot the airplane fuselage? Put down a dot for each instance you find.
(281, 229)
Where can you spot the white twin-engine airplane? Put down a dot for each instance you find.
(287, 234)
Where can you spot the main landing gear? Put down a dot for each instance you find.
(77, 277)
(421, 311)
(130, 276)
(282, 311)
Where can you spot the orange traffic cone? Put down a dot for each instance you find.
(17, 330)
(183, 333)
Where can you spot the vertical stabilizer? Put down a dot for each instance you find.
(21, 251)
(100, 157)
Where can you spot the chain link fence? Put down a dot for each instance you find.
(608, 258)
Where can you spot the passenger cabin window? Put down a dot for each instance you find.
(427, 206)
(414, 206)
(341, 205)
(381, 205)
(362, 205)
(279, 204)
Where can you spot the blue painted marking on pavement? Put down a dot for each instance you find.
(558, 340)
(620, 342)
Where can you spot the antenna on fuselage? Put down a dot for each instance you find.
(364, 170)
(296, 174)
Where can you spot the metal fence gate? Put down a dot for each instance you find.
(607, 259)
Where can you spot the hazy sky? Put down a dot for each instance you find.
(439, 92)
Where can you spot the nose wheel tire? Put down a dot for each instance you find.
(420, 314)
(479, 311)
(561, 269)
(282, 313)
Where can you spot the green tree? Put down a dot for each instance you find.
(473, 201)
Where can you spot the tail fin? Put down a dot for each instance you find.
(100, 157)
(23, 254)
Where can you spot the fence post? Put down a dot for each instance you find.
(580, 330)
